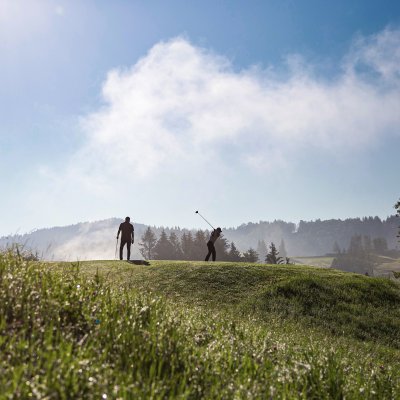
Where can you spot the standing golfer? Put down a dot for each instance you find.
(127, 237)
(211, 248)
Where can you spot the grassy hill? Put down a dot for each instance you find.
(191, 330)
(360, 306)
(385, 266)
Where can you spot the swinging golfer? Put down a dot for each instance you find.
(211, 248)
(127, 237)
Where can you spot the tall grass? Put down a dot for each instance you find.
(66, 335)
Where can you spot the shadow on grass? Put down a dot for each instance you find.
(138, 262)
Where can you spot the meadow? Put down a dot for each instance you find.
(192, 330)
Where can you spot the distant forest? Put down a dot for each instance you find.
(96, 240)
(189, 247)
(331, 237)
(313, 238)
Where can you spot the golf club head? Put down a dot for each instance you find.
(196, 212)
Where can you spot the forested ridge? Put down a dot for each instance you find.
(307, 238)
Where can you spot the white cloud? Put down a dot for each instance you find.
(183, 116)
(180, 101)
(377, 54)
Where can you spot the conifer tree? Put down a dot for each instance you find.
(380, 245)
(262, 249)
(367, 243)
(199, 245)
(187, 246)
(176, 247)
(221, 247)
(146, 246)
(358, 256)
(234, 253)
(356, 247)
(282, 249)
(250, 256)
(273, 255)
(336, 248)
(163, 249)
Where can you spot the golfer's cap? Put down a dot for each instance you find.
(219, 229)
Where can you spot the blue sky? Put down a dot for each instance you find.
(245, 110)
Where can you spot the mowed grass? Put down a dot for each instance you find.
(190, 330)
(387, 266)
(323, 262)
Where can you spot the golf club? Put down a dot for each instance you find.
(204, 219)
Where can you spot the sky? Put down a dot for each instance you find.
(243, 110)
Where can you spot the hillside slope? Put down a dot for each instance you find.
(343, 303)
(172, 330)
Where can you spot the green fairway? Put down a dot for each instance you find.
(323, 262)
(384, 265)
(387, 266)
(195, 330)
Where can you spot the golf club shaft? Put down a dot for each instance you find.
(205, 220)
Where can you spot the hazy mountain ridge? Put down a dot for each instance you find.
(83, 241)
(97, 240)
(311, 238)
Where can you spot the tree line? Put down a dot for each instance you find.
(190, 246)
(314, 238)
(361, 256)
(193, 246)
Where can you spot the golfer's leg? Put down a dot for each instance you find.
(214, 253)
(121, 248)
(128, 247)
(209, 252)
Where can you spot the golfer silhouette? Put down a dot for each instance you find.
(211, 248)
(127, 237)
